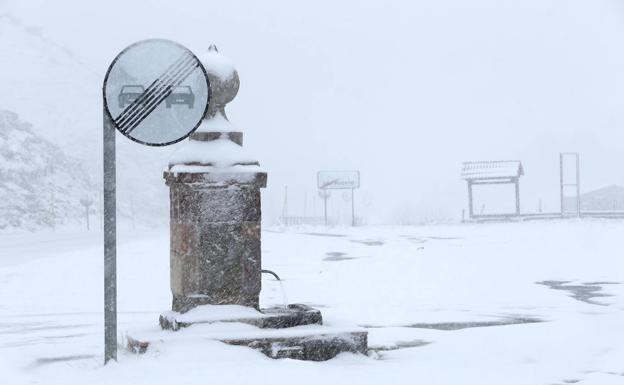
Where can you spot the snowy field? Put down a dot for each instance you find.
(525, 303)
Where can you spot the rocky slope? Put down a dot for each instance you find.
(40, 186)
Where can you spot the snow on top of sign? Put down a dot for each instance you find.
(219, 153)
(338, 179)
(217, 64)
(492, 169)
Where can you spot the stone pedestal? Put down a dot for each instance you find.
(215, 206)
(215, 237)
(215, 243)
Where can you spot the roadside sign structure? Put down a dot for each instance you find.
(87, 202)
(155, 92)
(324, 195)
(338, 180)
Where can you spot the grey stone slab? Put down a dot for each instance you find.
(301, 344)
(271, 318)
(318, 347)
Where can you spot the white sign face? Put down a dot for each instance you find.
(156, 92)
(338, 179)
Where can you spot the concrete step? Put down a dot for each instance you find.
(272, 318)
(294, 331)
(316, 345)
(312, 343)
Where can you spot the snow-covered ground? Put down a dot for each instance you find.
(442, 305)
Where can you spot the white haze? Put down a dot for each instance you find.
(403, 91)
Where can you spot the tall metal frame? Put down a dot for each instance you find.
(576, 184)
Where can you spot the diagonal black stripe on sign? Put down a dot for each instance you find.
(163, 91)
(137, 103)
(160, 99)
(155, 88)
(159, 95)
(152, 106)
(162, 86)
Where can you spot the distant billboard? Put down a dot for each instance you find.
(338, 179)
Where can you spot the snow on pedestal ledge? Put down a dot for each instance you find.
(216, 123)
(216, 146)
(219, 155)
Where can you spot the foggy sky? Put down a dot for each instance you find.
(403, 91)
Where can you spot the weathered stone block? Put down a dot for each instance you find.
(317, 347)
(215, 246)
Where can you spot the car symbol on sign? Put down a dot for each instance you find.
(181, 95)
(129, 94)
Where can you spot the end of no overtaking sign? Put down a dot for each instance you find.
(156, 92)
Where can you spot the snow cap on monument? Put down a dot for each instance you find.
(216, 143)
(224, 82)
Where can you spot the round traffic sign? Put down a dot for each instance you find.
(156, 92)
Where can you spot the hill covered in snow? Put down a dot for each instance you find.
(610, 198)
(40, 186)
(49, 87)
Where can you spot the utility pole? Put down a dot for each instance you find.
(53, 210)
(87, 202)
(285, 207)
(325, 210)
(324, 194)
(352, 207)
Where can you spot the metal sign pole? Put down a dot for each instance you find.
(110, 242)
(143, 113)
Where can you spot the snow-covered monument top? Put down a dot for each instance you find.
(215, 205)
(216, 146)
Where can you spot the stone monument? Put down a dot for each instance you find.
(215, 205)
(215, 242)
